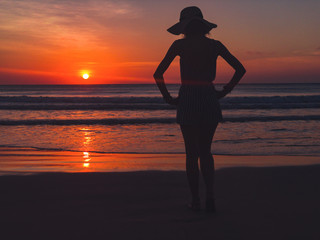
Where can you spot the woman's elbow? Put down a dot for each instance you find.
(157, 76)
(241, 70)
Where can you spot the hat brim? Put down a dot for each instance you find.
(179, 27)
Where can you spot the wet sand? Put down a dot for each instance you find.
(252, 203)
(15, 160)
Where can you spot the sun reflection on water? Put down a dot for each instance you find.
(86, 142)
(86, 156)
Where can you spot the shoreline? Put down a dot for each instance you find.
(15, 160)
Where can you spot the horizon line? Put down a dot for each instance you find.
(99, 84)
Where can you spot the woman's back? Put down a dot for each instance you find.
(198, 57)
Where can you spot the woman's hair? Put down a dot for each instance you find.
(196, 28)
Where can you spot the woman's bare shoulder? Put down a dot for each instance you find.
(177, 46)
(179, 41)
(218, 43)
(215, 41)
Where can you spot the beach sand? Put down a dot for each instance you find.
(252, 203)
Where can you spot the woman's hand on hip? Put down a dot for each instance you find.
(221, 93)
(172, 101)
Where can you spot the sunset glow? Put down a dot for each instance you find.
(124, 41)
(85, 76)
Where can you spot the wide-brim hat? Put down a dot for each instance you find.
(186, 16)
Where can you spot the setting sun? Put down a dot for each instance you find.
(85, 76)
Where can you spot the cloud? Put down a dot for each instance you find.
(308, 52)
(29, 72)
(62, 23)
(255, 53)
(138, 64)
(316, 52)
(69, 8)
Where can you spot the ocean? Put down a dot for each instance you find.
(259, 119)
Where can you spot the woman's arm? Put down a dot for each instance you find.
(235, 64)
(163, 66)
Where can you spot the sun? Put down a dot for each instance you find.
(85, 76)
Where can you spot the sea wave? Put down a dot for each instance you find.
(130, 121)
(149, 103)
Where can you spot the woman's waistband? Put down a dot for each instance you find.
(196, 83)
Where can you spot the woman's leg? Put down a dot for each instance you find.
(205, 134)
(190, 133)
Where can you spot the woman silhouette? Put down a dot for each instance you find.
(198, 109)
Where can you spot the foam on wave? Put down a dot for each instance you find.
(148, 120)
(150, 103)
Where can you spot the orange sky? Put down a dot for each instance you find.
(53, 42)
